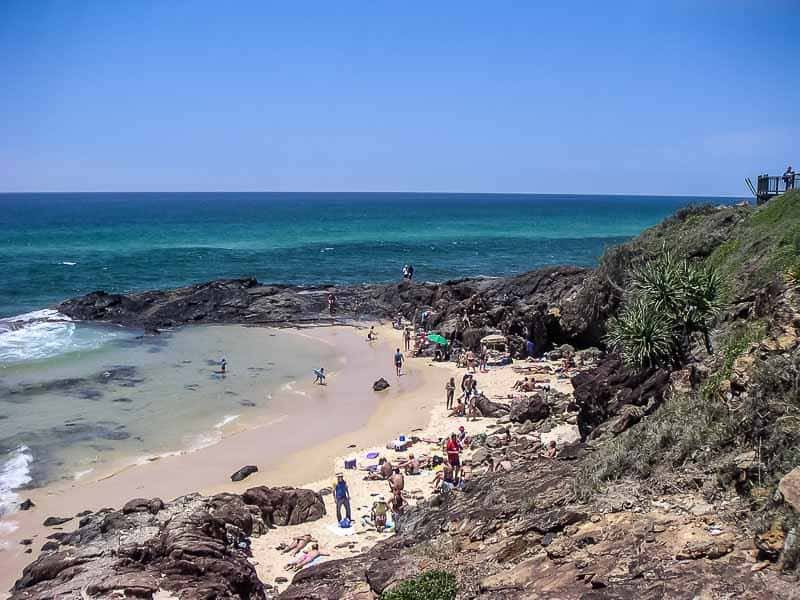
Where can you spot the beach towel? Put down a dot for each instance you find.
(372, 454)
(335, 529)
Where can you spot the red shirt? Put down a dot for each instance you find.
(453, 447)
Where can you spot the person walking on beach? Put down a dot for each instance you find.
(450, 388)
(342, 496)
(407, 339)
(331, 303)
(319, 376)
(398, 362)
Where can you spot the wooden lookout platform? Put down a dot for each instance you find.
(769, 186)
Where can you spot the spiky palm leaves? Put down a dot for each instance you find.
(669, 299)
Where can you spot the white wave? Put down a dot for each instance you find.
(14, 473)
(81, 474)
(225, 420)
(288, 386)
(69, 264)
(46, 333)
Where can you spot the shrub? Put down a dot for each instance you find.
(668, 301)
(431, 585)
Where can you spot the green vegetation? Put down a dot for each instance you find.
(762, 246)
(668, 301)
(681, 431)
(732, 346)
(431, 585)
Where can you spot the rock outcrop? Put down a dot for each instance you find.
(193, 547)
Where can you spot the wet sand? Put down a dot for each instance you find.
(294, 442)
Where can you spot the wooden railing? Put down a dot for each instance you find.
(772, 185)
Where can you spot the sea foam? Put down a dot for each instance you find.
(14, 473)
(44, 334)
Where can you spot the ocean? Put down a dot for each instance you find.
(75, 397)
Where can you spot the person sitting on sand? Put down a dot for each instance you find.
(459, 410)
(396, 482)
(462, 437)
(298, 543)
(552, 450)
(444, 480)
(306, 558)
(411, 465)
(380, 511)
(319, 376)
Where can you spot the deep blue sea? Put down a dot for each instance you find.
(55, 246)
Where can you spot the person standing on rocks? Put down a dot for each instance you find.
(450, 388)
(453, 450)
(398, 362)
(342, 496)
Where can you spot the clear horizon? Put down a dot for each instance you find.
(575, 99)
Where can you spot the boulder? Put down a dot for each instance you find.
(138, 505)
(380, 385)
(531, 408)
(491, 409)
(26, 504)
(285, 505)
(480, 455)
(789, 487)
(53, 521)
(244, 472)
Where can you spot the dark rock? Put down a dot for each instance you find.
(138, 505)
(26, 504)
(50, 546)
(380, 385)
(489, 408)
(285, 505)
(26, 542)
(601, 392)
(53, 521)
(244, 472)
(530, 408)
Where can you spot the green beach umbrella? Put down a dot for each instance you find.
(438, 339)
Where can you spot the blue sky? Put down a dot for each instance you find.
(572, 97)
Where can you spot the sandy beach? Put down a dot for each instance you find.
(290, 446)
(294, 449)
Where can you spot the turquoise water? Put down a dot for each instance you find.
(74, 396)
(55, 246)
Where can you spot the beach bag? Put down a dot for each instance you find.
(350, 463)
(345, 523)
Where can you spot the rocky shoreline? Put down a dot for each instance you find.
(717, 522)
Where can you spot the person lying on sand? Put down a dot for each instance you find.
(306, 558)
(298, 543)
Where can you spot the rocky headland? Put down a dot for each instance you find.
(685, 482)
